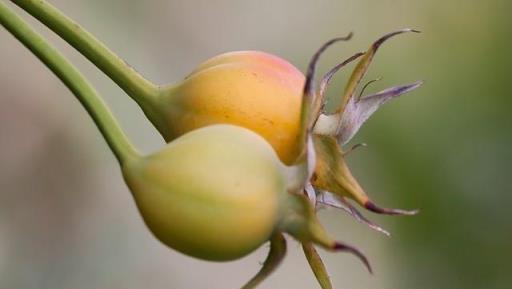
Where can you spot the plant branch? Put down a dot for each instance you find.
(74, 80)
(136, 86)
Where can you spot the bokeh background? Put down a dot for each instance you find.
(68, 221)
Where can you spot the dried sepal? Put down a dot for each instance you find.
(327, 199)
(274, 258)
(358, 110)
(310, 192)
(354, 148)
(306, 159)
(333, 175)
(371, 206)
(331, 200)
(307, 117)
(368, 83)
(319, 101)
(343, 247)
(301, 222)
(362, 67)
(353, 111)
(326, 79)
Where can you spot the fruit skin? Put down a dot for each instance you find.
(212, 193)
(253, 89)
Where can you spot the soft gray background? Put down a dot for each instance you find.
(68, 221)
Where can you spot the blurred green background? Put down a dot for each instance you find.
(68, 221)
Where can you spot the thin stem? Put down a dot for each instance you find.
(136, 86)
(317, 266)
(66, 72)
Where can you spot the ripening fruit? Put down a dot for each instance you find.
(212, 193)
(219, 190)
(252, 89)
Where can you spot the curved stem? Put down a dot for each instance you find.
(136, 86)
(274, 258)
(66, 72)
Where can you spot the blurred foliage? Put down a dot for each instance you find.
(67, 220)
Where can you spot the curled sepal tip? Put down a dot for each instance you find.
(306, 150)
(333, 175)
(368, 83)
(310, 74)
(310, 96)
(326, 79)
(273, 260)
(362, 67)
(300, 221)
(329, 199)
(354, 147)
(319, 101)
(381, 40)
(371, 206)
(339, 246)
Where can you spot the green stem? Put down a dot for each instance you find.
(274, 258)
(316, 264)
(66, 72)
(136, 86)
